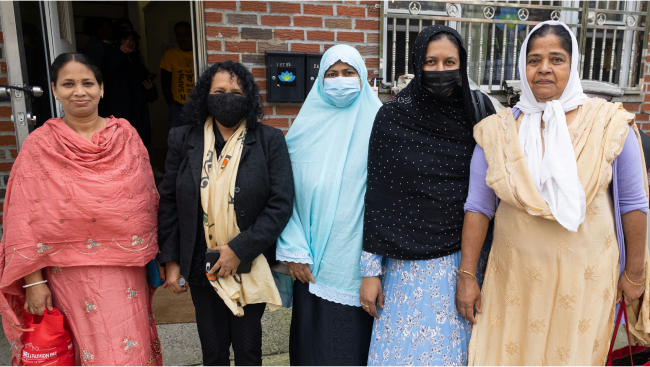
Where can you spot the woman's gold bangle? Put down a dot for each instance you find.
(467, 272)
(628, 279)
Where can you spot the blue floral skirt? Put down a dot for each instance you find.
(420, 324)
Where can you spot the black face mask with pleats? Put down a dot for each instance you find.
(440, 84)
(228, 109)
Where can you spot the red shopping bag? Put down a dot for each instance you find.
(46, 340)
(637, 355)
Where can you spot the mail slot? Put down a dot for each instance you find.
(312, 61)
(285, 76)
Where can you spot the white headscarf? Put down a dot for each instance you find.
(553, 170)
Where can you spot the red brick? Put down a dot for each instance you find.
(276, 20)
(351, 11)
(320, 36)
(14, 153)
(263, 96)
(642, 117)
(7, 140)
(338, 23)
(3, 67)
(369, 2)
(3, 81)
(261, 84)
(212, 17)
(6, 126)
(373, 13)
(647, 97)
(259, 6)
(367, 50)
(2, 38)
(5, 111)
(318, 9)
(225, 5)
(644, 107)
(6, 166)
(286, 8)
(214, 45)
(246, 46)
(305, 47)
(212, 58)
(372, 38)
(223, 31)
(289, 34)
(283, 131)
(276, 122)
(299, 21)
(287, 110)
(349, 36)
(372, 63)
(327, 46)
(259, 72)
(367, 24)
(631, 107)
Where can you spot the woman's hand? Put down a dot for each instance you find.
(37, 298)
(148, 84)
(173, 274)
(228, 262)
(468, 296)
(300, 272)
(370, 294)
(628, 290)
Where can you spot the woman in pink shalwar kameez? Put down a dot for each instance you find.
(80, 226)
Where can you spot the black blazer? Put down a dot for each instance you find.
(263, 195)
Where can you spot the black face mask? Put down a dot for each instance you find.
(440, 84)
(228, 109)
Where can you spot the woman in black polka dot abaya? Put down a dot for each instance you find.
(418, 176)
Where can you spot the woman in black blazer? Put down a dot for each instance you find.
(226, 95)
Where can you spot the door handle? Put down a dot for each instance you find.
(35, 91)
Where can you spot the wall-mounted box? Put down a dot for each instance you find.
(312, 61)
(285, 76)
(291, 75)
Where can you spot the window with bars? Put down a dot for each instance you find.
(610, 35)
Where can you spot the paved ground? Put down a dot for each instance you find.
(181, 347)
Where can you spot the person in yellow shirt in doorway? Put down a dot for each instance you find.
(177, 73)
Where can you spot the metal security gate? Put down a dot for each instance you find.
(612, 36)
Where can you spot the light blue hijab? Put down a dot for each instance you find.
(329, 154)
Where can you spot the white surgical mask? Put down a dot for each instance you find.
(342, 91)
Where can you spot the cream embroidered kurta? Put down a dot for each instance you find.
(549, 294)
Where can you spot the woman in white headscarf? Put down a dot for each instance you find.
(564, 178)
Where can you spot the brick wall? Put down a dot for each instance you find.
(243, 31)
(8, 150)
(643, 118)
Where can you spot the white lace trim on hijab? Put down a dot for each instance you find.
(554, 173)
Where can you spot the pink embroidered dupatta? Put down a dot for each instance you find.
(72, 202)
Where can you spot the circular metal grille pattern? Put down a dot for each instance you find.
(523, 14)
(556, 15)
(488, 12)
(415, 7)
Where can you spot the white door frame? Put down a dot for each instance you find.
(15, 67)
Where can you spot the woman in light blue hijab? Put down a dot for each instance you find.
(328, 144)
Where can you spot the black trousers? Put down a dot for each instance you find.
(325, 333)
(219, 328)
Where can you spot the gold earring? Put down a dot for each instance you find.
(102, 96)
(57, 98)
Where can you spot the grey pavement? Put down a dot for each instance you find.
(181, 346)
